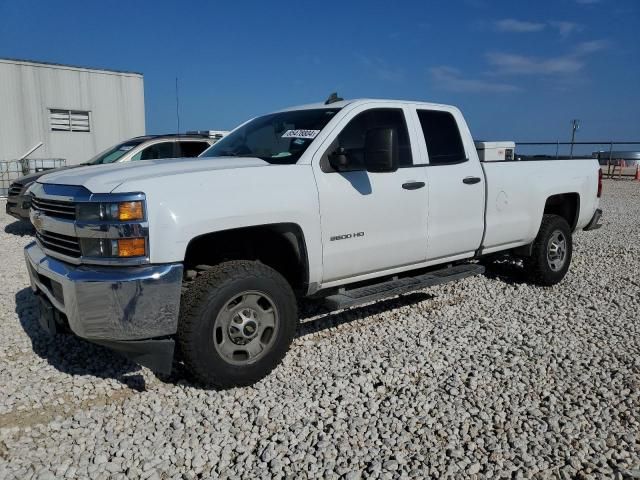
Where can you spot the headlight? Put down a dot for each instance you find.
(121, 226)
(113, 248)
(110, 212)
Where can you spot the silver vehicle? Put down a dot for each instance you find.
(148, 147)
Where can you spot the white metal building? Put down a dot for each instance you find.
(75, 112)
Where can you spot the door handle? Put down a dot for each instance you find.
(413, 185)
(471, 180)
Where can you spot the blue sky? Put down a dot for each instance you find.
(518, 70)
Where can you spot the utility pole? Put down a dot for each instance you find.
(575, 125)
(177, 106)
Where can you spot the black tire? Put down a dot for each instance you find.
(201, 307)
(538, 266)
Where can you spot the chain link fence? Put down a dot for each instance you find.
(11, 170)
(616, 158)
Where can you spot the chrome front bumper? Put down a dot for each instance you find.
(107, 304)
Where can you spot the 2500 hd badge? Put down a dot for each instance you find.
(346, 236)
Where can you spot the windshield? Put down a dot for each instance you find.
(278, 138)
(114, 154)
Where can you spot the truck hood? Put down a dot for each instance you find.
(105, 178)
(32, 177)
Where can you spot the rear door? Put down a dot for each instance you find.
(370, 221)
(456, 184)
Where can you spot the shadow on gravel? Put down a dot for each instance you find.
(74, 356)
(20, 228)
(506, 271)
(70, 354)
(309, 309)
(309, 325)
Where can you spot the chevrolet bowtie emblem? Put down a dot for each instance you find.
(36, 220)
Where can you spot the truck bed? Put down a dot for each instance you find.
(516, 193)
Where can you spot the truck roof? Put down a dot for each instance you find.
(344, 103)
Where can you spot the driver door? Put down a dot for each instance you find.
(371, 221)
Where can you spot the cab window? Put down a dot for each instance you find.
(442, 136)
(352, 137)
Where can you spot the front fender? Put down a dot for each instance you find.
(186, 206)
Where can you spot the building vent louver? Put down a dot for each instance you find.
(69, 120)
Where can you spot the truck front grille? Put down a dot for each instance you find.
(62, 244)
(55, 208)
(14, 189)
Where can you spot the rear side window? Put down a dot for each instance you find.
(159, 150)
(191, 149)
(442, 137)
(353, 136)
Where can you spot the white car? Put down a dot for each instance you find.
(137, 148)
(350, 201)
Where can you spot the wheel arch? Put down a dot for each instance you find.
(565, 205)
(282, 246)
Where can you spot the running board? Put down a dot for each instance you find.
(357, 296)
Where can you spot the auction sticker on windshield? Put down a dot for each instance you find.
(301, 134)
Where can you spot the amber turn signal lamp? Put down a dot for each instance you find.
(130, 211)
(131, 247)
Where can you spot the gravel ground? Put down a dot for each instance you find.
(488, 377)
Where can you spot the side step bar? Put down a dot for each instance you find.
(357, 296)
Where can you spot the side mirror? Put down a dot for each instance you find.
(338, 159)
(381, 150)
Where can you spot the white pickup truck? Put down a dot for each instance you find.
(345, 201)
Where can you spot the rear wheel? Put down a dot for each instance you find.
(551, 253)
(237, 322)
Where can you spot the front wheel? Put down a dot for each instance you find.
(552, 251)
(236, 324)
